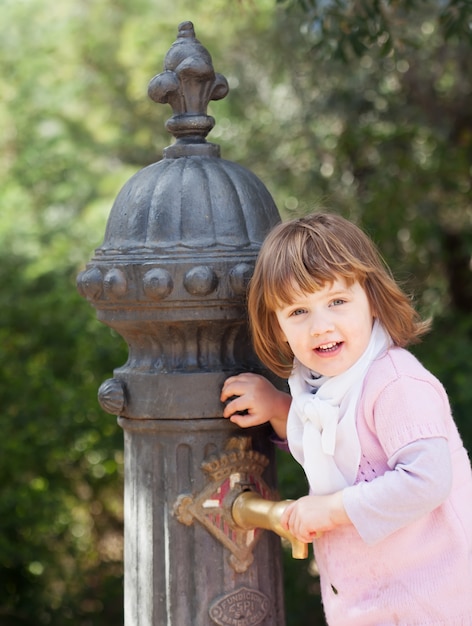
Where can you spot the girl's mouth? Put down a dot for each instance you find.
(328, 347)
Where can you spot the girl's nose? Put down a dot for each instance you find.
(320, 324)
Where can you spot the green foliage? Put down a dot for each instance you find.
(60, 458)
(447, 353)
(345, 30)
(360, 106)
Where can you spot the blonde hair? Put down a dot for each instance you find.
(305, 254)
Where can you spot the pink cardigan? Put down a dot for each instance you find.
(416, 570)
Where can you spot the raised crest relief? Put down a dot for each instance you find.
(238, 468)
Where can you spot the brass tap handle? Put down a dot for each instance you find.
(250, 510)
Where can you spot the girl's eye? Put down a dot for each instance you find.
(296, 312)
(337, 302)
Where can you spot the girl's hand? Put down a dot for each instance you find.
(258, 399)
(312, 515)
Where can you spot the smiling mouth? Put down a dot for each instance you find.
(328, 347)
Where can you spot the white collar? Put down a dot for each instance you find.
(321, 425)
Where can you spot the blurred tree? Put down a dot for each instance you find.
(60, 461)
(384, 130)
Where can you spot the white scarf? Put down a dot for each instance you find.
(321, 425)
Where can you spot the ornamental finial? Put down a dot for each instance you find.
(188, 83)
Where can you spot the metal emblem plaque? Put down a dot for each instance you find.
(243, 607)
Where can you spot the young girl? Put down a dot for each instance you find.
(389, 509)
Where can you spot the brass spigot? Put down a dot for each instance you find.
(250, 510)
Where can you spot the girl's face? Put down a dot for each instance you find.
(328, 330)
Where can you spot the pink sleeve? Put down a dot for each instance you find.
(408, 409)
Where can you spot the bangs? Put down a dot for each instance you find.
(287, 285)
(302, 269)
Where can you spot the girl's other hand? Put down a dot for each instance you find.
(253, 400)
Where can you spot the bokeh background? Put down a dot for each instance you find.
(360, 107)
